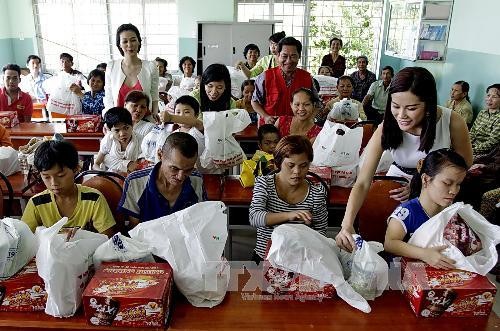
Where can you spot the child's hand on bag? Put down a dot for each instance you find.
(304, 216)
(434, 258)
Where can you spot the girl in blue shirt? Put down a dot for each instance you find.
(436, 184)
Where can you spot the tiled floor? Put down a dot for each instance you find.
(244, 243)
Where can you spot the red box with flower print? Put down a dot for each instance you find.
(83, 123)
(9, 119)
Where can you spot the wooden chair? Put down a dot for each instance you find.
(369, 127)
(39, 113)
(6, 209)
(377, 207)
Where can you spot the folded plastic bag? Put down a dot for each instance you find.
(192, 241)
(18, 246)
(64, 266)
(122, 249)
(298, 248)
(431, 234)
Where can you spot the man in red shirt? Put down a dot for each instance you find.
(11, 96)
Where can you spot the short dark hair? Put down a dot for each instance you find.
(250, 47)
(33, 57)
(433, 163)
(247, 82)
(495, 86)
(66, 55)
(329, 69)
(163, 61)
(290, 41)
(183, 142)
(421, 83)
(391, 70)
(136, 96)
(265, 129)
(117, 115)
(96, 73)
(314, 98)
(102, 65)
(291, 145)
(213, 73)
(127, 27)
(12, 66)
(184, 59)
(190, 101)
(276, 37)
(345, 77)
(335, 38)
(362, 57)
(56, 152)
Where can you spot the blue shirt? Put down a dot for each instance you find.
(93, 105)
(412, 215)
(142, 200)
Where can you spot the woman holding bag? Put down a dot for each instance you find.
(413, 126)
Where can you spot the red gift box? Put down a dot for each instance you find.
(435, 292)
(294, 285)
(324, 173)
(25, 291)
(83, 123)
(9, 118)
(129, 294)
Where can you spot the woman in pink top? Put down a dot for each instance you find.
(302, 122)
(131, 73)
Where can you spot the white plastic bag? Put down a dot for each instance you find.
(344, 176)
(344, 110)
(192, 241)
(61, 99)
(122, 249)
(337, 145)
(18, 246)
(327, 85)
(221, 149)
(383, 165)
(430, 234)
(64, 266)
(365, 270)
(237, 78)
(9, 163)
(298, 248)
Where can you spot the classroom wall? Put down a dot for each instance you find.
(473, 51)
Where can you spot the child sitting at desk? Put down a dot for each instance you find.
(85, 207)
(247, 88)
(437, 183)
(121, 147)
(268, 137)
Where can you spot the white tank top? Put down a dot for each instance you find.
(407, 154)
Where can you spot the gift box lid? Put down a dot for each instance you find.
(7, 113)
(83, 117)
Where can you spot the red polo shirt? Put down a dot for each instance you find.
(22, 105)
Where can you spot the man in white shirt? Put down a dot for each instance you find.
(375, 100)
(33, 82)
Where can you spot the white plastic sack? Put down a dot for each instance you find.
(344, 110)
(153, 142)
(327, 85)
(192, 241)
(61, 99)
(18, 246)
(237, 78)
(365, 270)
(298, 248)
(122, 249)
(430, 234)
(337, 145)
(383, 165)
(344, 176)
(221, 149)
(9, 163)
(64, 266)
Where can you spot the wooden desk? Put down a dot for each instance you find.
(213, 186)
(247, 135)
(388, 311)
(85, 143)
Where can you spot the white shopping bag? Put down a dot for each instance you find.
(365, 270)
(344, 110)
(9, 162)
(327, 85)
(221, 149)
(64, 266)
(431, 234)
(192, 241)
(383, 165)
(298, 248)
(237, 78)
(18, 246)
(337, 145)
(61, 99)
(344, 176)
(122, 249)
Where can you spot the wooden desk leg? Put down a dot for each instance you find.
(228, 249)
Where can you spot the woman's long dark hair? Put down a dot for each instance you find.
(420, 82)
(465, 88)
(433, 163)
(213, 73)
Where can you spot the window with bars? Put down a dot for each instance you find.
(87, 30)
(357, 22)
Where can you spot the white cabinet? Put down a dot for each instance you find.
(418, 29)
(224, 42)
